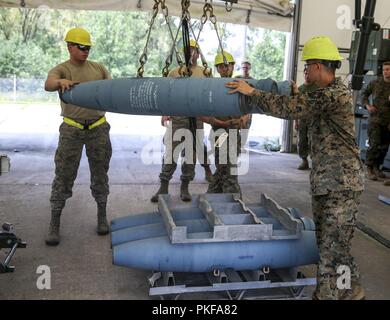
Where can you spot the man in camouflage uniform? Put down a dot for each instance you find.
(226, 131)
(80, 127)
(378, 124)
(337, 172)
(302, 126)
(173, 148)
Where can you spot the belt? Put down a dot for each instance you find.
(85, 126)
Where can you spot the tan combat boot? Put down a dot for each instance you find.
(103, 227)
(53, 237)
(163, 190)
(371, 174)
(304, 165)
(184, 193)
(379, 174)
(355, 293)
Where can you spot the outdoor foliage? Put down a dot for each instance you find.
(32, 42)
(267, 56)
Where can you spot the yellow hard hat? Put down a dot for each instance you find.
(321, 48)
(219, 58)
(193, 43)
(79, 36)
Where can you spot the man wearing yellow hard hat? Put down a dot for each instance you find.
(225, 179)
(81, 127)
(183, 125)
(337, 172)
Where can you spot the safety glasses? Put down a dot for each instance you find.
(82, 47)
(306, 66)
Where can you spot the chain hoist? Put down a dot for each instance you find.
(144, 56)
(186, 27)
(213, 20)
(168, 61)
(185, 70)
(208, 14)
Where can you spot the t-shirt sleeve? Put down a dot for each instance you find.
(57, 72)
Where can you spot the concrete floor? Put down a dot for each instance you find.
(81, 265)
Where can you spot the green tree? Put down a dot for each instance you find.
(267, 56)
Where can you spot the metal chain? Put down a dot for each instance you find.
(206, 70)
(185, 4)
(144, 56)
(213, 20)
(228, 7)
(168, 61)
(208, 14)
(207, 11)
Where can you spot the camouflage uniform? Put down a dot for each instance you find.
(67, 159)
(172, 149)
(336, 177)
(172, 153)
(378, 130)
(303, 139)
(225, 179)
(72, 139)
(303, 130)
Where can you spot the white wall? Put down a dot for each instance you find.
(334, 18)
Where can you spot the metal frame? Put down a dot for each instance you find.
(237, 285)
(244, 225)
(8, 240)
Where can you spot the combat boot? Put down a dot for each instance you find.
(163, 190)
(371, 174)
(102, 223)
(380, 175)
(355, 293)
(304, 165)
(53, 237)
(207, 173)
(184, 193)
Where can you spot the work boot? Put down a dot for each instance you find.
(355, 293)
(53, 237)
(379, 173)
(102, 224)
(387, 183)
(207, 173)
(184, 193)
(163, 190)
(304, 165)
(371, 174)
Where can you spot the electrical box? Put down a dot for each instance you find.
(5, 164)
(378, 50)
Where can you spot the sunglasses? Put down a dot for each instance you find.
(82, 47)
(308, 64)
